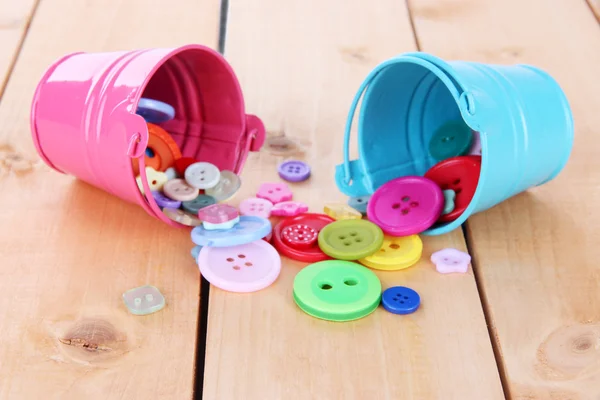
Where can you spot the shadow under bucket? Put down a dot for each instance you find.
(84, 121)
(521, 114)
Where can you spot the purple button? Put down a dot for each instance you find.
(163, 201)
(294, 171)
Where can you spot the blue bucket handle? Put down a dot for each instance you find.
(439, 67)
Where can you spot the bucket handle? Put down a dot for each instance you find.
(461, 95)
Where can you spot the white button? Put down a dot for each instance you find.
(202, 175)
(228, 185)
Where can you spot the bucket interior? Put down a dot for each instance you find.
(403, 106)
(207, 101)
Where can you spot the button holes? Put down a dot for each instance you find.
(358, 240)
(177, 189)
(202, 172)
(347, 243)
(230, 259)
(325, 286)
(359, 200)
(455, 262)
(201, 179)
(270, 191)
(396, 206)
(149, 152)
(414, 204)
(353, 233)
(350, 282)
(382, 250)
(457, 191)
(154, 182)
(401, 301)
(405, 211)
(342, 237)
(405, 298)
(241, 256)
(248, 264)
(405, 199)
(236, 267)
(394, 246)
(278, 189)
(445, 259)
(456, 182)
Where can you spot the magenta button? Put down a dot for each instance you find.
(406, 206)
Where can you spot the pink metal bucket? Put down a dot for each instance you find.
(84, 121)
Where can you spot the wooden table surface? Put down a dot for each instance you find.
(523, 323)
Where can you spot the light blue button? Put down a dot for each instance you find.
(359, 203)
(195, 251)
(222, 226)
(249, 229)
(144, 300)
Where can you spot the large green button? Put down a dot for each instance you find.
(350, 239)
(337, 290)
(450, 140)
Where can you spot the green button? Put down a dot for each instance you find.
(450, 140)
(337, 290)
(193, 206)
(350, 239)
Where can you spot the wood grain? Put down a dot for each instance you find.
(69, 251)
(300, 63)
(537, 253)
(595, 7)
(14, 19)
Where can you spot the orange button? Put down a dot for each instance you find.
(161, 152)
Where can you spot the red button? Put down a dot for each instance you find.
(460, 174)
(288, 242)
(182, 163)
(299, 236)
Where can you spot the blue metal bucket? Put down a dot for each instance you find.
(522, 115)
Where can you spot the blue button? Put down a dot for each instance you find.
(359, 203)
(195, 251)
(400, 300)
(249, 229)
(155, 111)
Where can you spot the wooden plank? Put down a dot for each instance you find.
(300, 63)
(69, 251)
(595, 7)
(14, 19)
(537, 253)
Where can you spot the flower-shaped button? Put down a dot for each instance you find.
(451, 260)
(144, 300)
(155, 111)
(193, 206)
(156, 180)
(400, 300)
(202, 175)
(301, 253)
(181, 217)
(395, 253)
(255, 206)
(337, 290)
(299, 236)
(339, 211)
(229, 184)
(218, 213)
(178, 189)
(243, 268)
(405, 206)
(164, 201)
(461, 174)
(274, 192)
(359, 203)
(294, 171)
(247, 230)
(350, 239)
(450, 140)
(289, 209)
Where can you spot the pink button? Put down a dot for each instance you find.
(289, 209)
(218, 213)
(406, 206)
(257, 207)
(245, 268)
(274, 192)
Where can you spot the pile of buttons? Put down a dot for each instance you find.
(181, 186)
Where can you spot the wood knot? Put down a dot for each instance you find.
(93, 340)
(569, 352)
(11, 160)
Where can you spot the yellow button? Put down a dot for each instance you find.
(339, 211)
(156, 179)
(395, 253)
